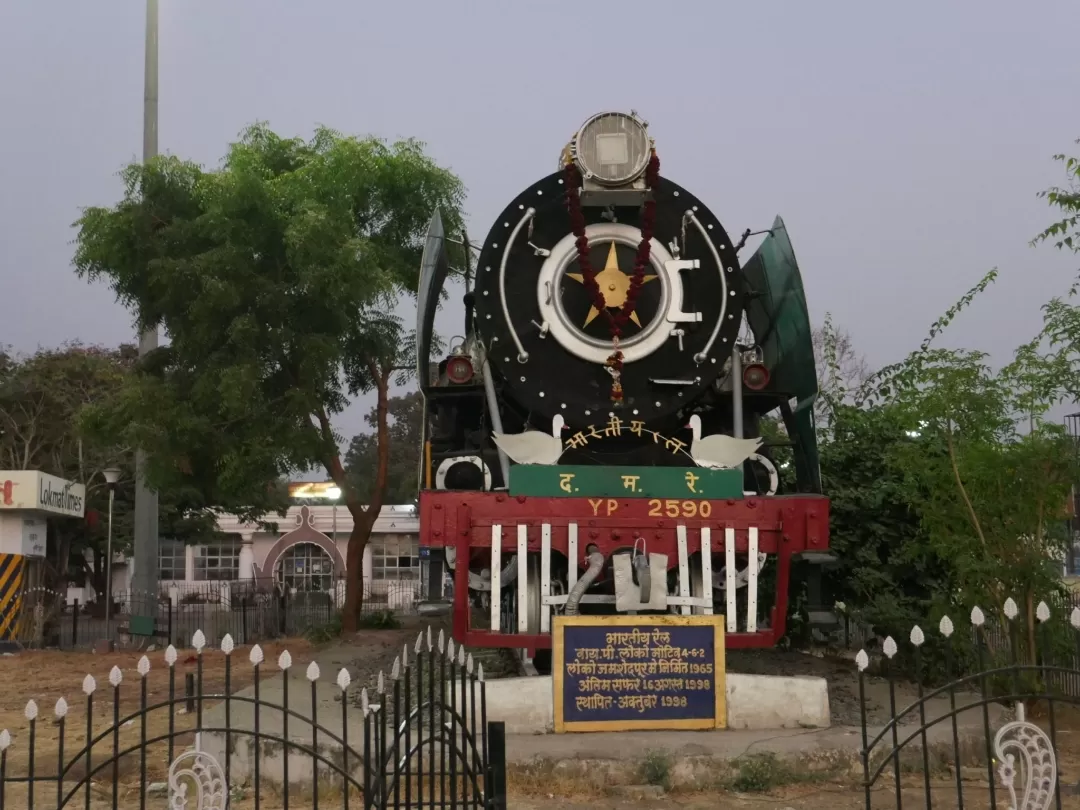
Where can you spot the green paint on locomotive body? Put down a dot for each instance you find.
(554, 481)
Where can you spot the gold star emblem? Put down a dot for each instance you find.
(614, 285)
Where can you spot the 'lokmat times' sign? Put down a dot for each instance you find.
(30, 490)
(621, 673)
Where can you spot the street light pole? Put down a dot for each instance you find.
(146, 500)
(112, 475)
(335, 493)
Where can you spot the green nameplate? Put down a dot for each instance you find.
(541, 480)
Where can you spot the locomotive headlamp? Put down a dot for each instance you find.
(459, 369)
(612, 149)
(755, 377)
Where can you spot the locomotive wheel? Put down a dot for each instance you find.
(507, 576)
(542, 662)
(532, 593)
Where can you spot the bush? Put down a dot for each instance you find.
(656, 769)
(760, 773)
(321, 634)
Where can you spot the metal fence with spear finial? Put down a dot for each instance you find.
(978, 717)
(422, 740)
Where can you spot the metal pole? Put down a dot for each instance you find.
(108, 564)
(146, 500)
(496, 417)
(736, 393)
(737, 401)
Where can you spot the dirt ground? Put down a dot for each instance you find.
(44, 676)
(841, 675)
(942, 798)
(374, 651)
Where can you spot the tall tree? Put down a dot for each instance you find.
(1059, 342)
(404, 437)
(1064, 233)
(994, 495)
(841, 369)
(947, 476)
(43, 398)
(273, 278)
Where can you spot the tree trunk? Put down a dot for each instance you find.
(364, 519)
(354, 574)
(63, 560)
(1029, 615)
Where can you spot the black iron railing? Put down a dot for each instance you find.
(1004, 667)
(246, 611)
(417, 737)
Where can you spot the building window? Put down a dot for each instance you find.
(172, 560)
(306, 567)
(220, 561)
(395, 556)
(1072, 565)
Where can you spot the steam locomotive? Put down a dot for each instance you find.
(593, 441)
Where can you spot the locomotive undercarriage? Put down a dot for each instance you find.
(521, 549)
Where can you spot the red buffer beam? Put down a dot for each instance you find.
(469, 522)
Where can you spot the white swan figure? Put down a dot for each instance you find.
(719, 452)
(533, 446)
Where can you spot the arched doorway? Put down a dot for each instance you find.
(305, 568)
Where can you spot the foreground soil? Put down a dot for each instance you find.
(942, 798)
(45, 676)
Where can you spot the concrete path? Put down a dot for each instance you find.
(635, 745)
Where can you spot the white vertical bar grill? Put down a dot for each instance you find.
(496, 570)
(545, 577)
(729, 578)
(572, 556)
(751, 580)
(523, 578)
(706, 569)
(684, 567)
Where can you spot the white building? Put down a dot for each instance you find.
(307, 552)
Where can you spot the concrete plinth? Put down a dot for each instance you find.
(754, 702)
(764, 702)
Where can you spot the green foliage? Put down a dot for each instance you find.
(949, 486)
(43, 397)
(1063, 233)
(840, 368)
(656, 768)
(875, 523)
(274, 278)
(405, 435)
(761, 773)
(995, 491)
(323, 633)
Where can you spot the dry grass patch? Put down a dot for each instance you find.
(47, 675)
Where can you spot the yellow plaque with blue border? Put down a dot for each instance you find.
(623, 673)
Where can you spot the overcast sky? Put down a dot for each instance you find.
(903, 143)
